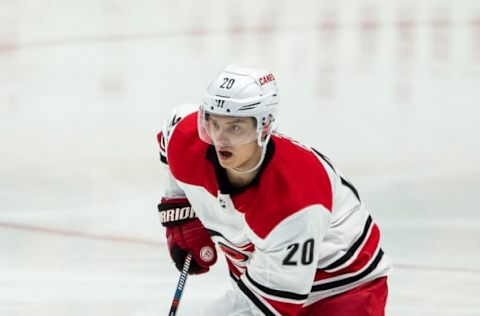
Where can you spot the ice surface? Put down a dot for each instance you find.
(389, 90)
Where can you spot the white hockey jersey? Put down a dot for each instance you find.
(297, 234)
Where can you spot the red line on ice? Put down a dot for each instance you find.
(70, 233)
(130, 240)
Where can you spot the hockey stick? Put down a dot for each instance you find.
(180, 286)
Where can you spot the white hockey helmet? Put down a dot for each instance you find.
(241, 92)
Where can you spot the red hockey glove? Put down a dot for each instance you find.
(186, 234)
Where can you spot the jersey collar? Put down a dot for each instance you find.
(224, 184)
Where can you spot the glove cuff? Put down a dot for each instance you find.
(175, 212)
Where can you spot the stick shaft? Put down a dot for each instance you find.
(180, 285)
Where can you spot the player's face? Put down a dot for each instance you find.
(229, 131)
(235, 141)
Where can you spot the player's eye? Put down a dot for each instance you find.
(214, 125)
(235, 129)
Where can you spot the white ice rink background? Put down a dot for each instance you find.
(389, 90)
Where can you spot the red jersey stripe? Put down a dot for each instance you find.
(363, 258)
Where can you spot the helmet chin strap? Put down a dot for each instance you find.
(263, 143)
(262, 157)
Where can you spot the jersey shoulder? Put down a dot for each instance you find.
(293, 180)
(169, 125)
(184, 151)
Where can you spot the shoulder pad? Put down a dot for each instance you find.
(169, 125)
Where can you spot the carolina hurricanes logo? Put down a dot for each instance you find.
(233, 254)
(207, 254)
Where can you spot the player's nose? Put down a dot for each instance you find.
(221, 139)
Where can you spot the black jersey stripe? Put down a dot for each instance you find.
(352, 279)
(324, 158)
(214, 233)
(260, 305)
(344, 181)
(351, 187)
(234, 278)
(278, 293)
(163, 159)
(349, 254)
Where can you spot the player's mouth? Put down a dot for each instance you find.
(225, 154)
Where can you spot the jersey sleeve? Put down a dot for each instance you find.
(279, 276)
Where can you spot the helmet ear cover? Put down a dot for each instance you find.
(267, 127)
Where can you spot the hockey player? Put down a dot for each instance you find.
(294, 231)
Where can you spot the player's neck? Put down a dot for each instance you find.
(239, 178)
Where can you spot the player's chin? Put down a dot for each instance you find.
(228, 164)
